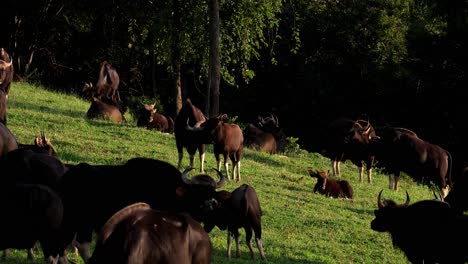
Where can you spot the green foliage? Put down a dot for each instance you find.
(298, 226)
(293, 149)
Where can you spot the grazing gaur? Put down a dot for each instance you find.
(400, 149)
(7, 140)
(331, 187)
(257, 139)
(6, 71)
(34, 214)
(427, 231)
(100, 110)
(227, 140)
(151, 119)
(3, 107)
(138, 234)
(348, 139)
(155, 182)
(238, 209)
(192, 115)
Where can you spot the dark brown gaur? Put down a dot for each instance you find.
(401, 150)
(347, 139)
(331, 187)
(227, 139)
(6, 71)
(139, 234)
(189, 114)
(101, 110)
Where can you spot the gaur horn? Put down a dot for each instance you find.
(196, 127)
(407, 199)
(222, 179)
(379, 201)
(6, 64)
(185, 176)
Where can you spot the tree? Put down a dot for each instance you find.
(212, 100)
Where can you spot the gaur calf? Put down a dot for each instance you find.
(236, 209)
(331, 187)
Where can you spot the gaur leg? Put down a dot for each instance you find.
(335, 167)
(180, 150)
(397, 178)
(236, 237)
(31, 253)
(201, 151)
(258, 239)
(229, 243)
(83, 242)
(260, 247)
(369, 175)
(248, 240)
(226, 165)
(361, 172)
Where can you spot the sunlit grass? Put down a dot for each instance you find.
(298, 225)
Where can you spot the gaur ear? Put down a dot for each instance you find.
(180, 191)
(38, 142)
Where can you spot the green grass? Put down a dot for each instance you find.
(298, 225)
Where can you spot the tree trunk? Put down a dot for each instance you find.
(456, 17)
(176, 58)
(212, 102)
(153, 73)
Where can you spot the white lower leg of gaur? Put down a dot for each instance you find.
(238, 166)
(31, 253)
(369, 175)
(334, 169)
(226, 168)
(202, 162)
(361, 171)
(260, 247)
(84, 250)
(236, 237)
(445, 191)
(393, 182)
(229, 244)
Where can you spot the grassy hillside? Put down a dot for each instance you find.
(298, 225)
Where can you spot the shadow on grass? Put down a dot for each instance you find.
(41, 108)
(261, 157)
(219, 256)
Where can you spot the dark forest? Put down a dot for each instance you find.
(394, 62)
